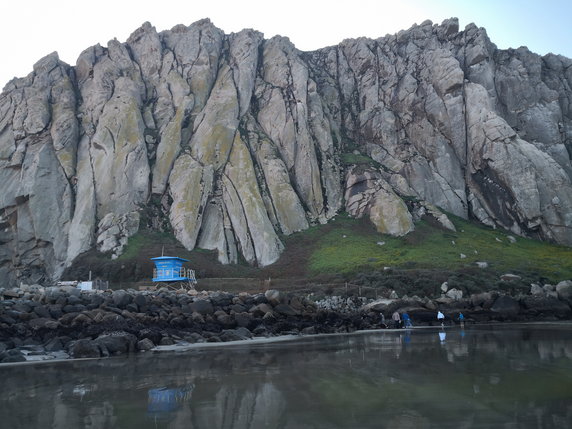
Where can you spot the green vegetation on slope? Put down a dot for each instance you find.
(349, 249)
(358, 159)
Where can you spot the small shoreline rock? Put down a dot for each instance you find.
(45, 323)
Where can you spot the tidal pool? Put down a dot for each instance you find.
(487, 376)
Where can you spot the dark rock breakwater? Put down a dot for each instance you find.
(38, 323)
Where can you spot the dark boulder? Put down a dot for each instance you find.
(221, 299)
(117, 342)
(261, 309)
(152, 334)
(259, 298)
(244, 299)
(4, 318)
(238, 308)
(74, 300)
(74, 308)
(55, 311)
(85, 348)
(506, 306)
(145, 345)
(12, 356)
(42, 311)
(285, 310)
(16, 315)
(244, 319)
(484, 300)
(297, 303)
(81, 320)
(112, 318)
(94, 300)
(194, 337)
(244, 332)
(121, 298)
(22, 306)
(261, 331)
(43, 323)
(133, 308)
(53, 345)
(186, 309)
(68, 318)
(167, 341)
(226, 320)
(202, 306)
(546, 305)
(140, 300)
(235, 335)
(310, 330)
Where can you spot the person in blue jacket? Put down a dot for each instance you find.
(461, 320)
(407, 320)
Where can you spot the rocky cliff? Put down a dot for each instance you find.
(231, 141)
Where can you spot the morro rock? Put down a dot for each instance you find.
(244, 139)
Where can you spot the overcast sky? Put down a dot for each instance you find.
(31, 29)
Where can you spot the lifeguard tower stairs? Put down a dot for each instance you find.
(169, 272)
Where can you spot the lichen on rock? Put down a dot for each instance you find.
(244, 139)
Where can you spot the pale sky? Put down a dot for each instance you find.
(31, 29)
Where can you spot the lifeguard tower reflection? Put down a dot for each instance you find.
(163, 402)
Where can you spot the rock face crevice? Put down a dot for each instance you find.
(244, 139)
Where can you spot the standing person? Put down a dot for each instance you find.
(407, 320)
(461, 320)
(441, 318)
(382, 320)
(396, 319)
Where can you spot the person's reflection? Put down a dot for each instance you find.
(398, 346)
(407, 338)
(442, 336)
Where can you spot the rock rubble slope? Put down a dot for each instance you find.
(237, 140)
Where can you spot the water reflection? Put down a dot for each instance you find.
(162, 402)
(519, 376)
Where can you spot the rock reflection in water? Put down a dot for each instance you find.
(520, 376)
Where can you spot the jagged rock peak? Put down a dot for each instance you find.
(231, 141)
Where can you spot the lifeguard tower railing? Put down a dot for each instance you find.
(174, 274)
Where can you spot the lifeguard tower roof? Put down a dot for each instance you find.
(169, 269)
(169, 258)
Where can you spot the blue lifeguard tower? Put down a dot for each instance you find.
(170, 270)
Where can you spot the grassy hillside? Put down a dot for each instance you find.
(351, 250)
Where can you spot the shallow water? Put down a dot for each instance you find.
(509, 376)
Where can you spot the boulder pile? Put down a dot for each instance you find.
(58, 322)
(38, 323)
